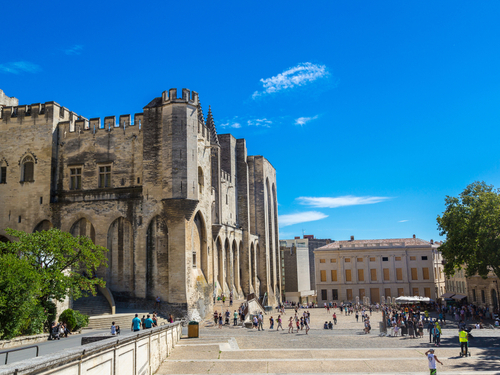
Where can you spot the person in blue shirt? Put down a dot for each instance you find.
(148, 323)
(136, 323)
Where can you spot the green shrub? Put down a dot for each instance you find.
(74, 319)
(33, 325)
(51, 312)
(68, 317)
(82, 320)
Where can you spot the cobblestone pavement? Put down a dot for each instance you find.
(345, 349)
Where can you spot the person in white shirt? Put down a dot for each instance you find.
(432, 361)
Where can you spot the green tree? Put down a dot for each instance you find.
(64, 265)
(471, 224)
(19, 304)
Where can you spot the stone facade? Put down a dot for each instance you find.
(357, 269)
(184, 212)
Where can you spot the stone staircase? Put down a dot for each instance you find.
(123, 320)
(92, 306)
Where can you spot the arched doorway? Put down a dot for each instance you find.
(43, 225)
(494, 298)
(120, 271)
(83, 227)
(156, 258)
(199, 243)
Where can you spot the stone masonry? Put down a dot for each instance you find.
(185, 212)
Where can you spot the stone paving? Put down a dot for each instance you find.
(345, 349)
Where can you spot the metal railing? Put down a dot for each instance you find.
(6, 352)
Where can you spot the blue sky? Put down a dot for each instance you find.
(371, 112)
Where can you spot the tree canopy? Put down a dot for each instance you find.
(42, 267)
(471, 224)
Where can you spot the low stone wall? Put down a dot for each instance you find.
(139, 354)
(23, 340)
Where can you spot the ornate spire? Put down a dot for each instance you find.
(211, 126)
(201, 119)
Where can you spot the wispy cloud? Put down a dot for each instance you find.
(299, 75)
(238, 122)
(75, 50)
(402, 221)
(19, 67)
(346, 200)
(302, 217)
(304, 120)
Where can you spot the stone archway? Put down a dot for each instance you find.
(228, 264)
(236, 266)
(199, 243)
(83, 227)
(156, 258)
(120, 244)
(220, 268)
(43, 225)
(494, 298)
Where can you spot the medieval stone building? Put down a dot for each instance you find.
(184, 212)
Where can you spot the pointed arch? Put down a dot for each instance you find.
(156, 257)
(227, 249)
(199, 242)
(83, 227)
(120, 243)
(236, 265)
(43, 225)
(220, 268)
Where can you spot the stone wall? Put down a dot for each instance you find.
(138, 354)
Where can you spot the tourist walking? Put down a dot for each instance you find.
(279, 323)
(136, 323)
(431, 357)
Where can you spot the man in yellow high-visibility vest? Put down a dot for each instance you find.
(463, 336)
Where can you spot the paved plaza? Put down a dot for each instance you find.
(345, 349)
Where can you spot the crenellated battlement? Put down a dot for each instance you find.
(170, 96)
(94, 125)
(26, 112)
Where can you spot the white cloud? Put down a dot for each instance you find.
(402, 221)
(346, 200)
(304, 120)
(296, 76)
(19, 67)
(234, 125)
(260, 122)
(302, 217)
(75, 50)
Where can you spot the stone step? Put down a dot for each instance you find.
(92, 305)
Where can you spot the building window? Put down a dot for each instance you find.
(425, 272)
(415, 292)
(3, 175)
(75, 181)
(335, 294)
(427, 292)
(361, 275)
(424, 257)
(359, 259)
(333, 260)
(105, 176)
(334, 275)
(323, 295)
(474, 295)
(387, 292)
(348, 275)
(483, 297)
(398, 258)
(322, 260)
(385, 259)
(27, 169)
(373, 274)
(323, 275)
(347, 260)
(413, 258)
(414, 274)
(372, 259)
(399, 274)
(386, 274)
(194, 259)
(401, 292)
(349, 294)
(362, 294)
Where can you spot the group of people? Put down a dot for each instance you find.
(221, 320)
(222, 298)
(58, 330)
(300, 323)
(146, 322)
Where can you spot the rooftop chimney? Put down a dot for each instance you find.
(352, 238)
(414, 236)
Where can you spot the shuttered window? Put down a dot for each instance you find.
(373, 274)
(361, 293)
(399, 274)
(425, 271)
(348, 275)
(387, 276)
(323, 275)
(387, 292)
(322, 260)
(334, 275)
(427, 292)
(400, 292)
(414, 274)
(415, 291)
(349, 294)
(361, 275)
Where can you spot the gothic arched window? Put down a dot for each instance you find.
(27, 169)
